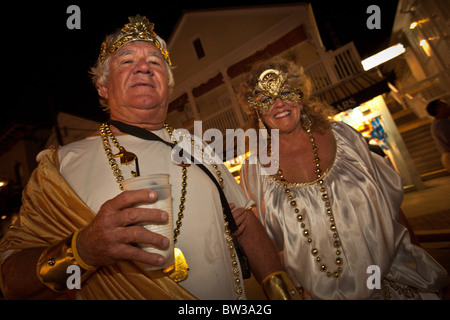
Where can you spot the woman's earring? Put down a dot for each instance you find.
(261, 124)
(306, 121)
(262, 127)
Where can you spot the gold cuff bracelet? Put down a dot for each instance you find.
(52, 266)
(279, 286)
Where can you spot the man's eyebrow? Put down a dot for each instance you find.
(124, 52)
(156, 54)
(152, 53)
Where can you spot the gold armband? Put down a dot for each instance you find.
(53, 264)
(279, 286)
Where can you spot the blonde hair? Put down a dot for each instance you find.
(320, 113)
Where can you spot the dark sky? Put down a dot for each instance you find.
(45, 64)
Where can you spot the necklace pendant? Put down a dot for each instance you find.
(125, 156)
(179, 271)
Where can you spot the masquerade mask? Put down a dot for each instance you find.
(270, 86)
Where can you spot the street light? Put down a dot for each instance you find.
(414, 24)
(383, 56)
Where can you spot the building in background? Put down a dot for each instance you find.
(212, 49)
(423, 75)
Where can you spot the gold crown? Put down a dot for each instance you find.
(139, 29)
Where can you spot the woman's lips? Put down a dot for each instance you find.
(282, 114)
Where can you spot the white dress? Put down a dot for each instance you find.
(202, 240)
(366, 194)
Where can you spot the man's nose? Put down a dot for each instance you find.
(143, 66)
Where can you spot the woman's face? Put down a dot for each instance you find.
(284, 115)
(277, 103)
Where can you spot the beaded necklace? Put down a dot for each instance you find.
(179, 271)
(328, 211)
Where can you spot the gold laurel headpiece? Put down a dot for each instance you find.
(271, 85)
(139, 29)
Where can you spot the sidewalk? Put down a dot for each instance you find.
(428, 212)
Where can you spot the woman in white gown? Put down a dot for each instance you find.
(332, 209)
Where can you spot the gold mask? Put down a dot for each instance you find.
(270, 86)
(139, 29)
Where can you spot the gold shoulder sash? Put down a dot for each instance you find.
(51, 211)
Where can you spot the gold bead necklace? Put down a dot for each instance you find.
(127, 158)
(229, 239)
(328, 211)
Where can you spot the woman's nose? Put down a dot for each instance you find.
(278, 102)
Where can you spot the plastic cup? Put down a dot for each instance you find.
(164, 202)
(145, 181)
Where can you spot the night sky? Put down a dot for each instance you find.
(45, 65)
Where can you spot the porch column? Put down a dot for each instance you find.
(234, 100)
(194, 107)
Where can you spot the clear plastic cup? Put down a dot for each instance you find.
(164, 202)
(145, 181)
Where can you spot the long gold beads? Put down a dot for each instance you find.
(229, 239)
(125, 156)
(328, 211)
(179, 271)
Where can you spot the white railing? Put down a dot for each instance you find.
(343, 63)
(417, 96)
(429, 89)
(318, 75)
(222, 120)
(346, 61)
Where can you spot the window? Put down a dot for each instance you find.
(198, 48)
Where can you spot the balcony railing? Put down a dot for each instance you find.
(429, 89)
(416, 97)
(346, 61)
(340, 64)
(319, 76)
(222, 120)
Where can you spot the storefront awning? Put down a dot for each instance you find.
(354, 91)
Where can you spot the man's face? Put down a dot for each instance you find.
(137, 88)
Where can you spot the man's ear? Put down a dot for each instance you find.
(102, 91)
